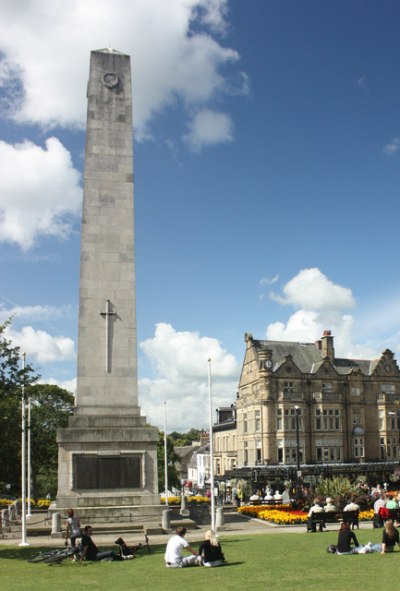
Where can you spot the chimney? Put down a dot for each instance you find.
(328, 350)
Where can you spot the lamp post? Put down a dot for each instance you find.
(298, 472)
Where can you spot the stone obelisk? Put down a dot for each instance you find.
(107, 454)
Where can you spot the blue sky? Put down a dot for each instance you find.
(267, 164)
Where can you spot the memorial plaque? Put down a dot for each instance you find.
(105, 472)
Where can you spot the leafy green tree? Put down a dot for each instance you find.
(182, 439)
(14, 378)
(172, 458)
(50, 409)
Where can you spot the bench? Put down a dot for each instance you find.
(322, 518)
(394, 514)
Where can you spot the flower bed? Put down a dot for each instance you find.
(40, 504)
(190, 500)
(284, 515)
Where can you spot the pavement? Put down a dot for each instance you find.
(235, 524)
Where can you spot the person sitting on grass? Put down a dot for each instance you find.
(345, 537)
(173, 552)
(89, 550)
(390, 537)
(210, 550)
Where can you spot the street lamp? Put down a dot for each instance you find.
(298, 472)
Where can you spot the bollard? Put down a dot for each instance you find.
(5, 520)
(11, 514)
(56, 524)
(219, 518)
(18, 507)
(184, 510)
(166, 520)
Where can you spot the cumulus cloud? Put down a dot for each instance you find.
(180, 362)
(40, 192)
(392, 147)
(312, 290)
(175, 56)
(41, 346)
(320, 305)
(207, 128)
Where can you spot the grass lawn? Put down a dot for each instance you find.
(260, 562)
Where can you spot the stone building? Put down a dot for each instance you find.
(299, 397)
(225, 440)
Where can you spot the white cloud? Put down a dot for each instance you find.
(35, 313)
(321, 305)
(392, 147)
(208, 128)
(264, 281)
(40, 191)
(180, 364)
(312, 290)
(41, 346)
(46, 49)
(69, 385)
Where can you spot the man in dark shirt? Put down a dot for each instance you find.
(89, 549)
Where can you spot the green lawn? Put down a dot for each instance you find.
(269, 562)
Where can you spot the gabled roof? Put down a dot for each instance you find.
(304, 355)
(308, 357)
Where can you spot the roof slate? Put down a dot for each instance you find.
(308, 358)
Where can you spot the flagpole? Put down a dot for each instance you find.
(28, 476)
(24, 541)
(165, 456)
(211, 448)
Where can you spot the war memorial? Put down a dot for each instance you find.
(107, 465)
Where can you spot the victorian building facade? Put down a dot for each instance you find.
(299, 403)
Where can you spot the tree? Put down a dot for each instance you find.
(182, 439)
(172, 458)
(50, 408)
(14, 378)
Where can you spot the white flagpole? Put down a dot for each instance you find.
(211, 449)
(28, 476)
(23, 460)
(165, 456)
